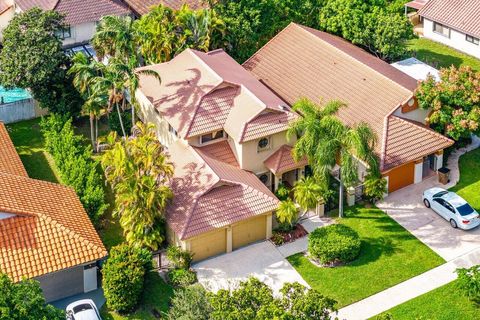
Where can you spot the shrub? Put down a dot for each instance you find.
(73, 159)
(469, 282)
(287, 213)
(375, 188)
(282, 192)
(277, 238)
(334, 243)
(190, 303)
(182, 277)
(124, 276)
(180, 259)
(114, 122)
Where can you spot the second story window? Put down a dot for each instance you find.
(264, 144)
(64, 33)
(212, 136)
(472, 39)
(441, 29)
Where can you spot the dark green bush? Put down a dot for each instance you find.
(190, 303)
(182, 277)
(114, 122)
(180, 259)
(73, 159)
(124, 276)
(282, 192)
(333, 244)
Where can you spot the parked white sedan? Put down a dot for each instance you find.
(82, 310)
(452, 208)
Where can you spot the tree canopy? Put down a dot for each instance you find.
(32, 58)
(24, 301)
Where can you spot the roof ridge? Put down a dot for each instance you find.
(307, 29)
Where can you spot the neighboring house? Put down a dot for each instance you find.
(81, 16)
(455, 23)
(303, 62)
(45, 233)
(226, 134)
(141, 7)
(417, 69)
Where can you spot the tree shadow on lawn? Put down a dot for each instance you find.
(37, 165)
(437, 60)
(373, 249)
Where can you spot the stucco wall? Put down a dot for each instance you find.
(418, 115)
(456, 40)
(80, 33)
(6, 17)
(65, 283)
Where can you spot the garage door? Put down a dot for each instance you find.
(211, 244)
(401, 177)
(249, 231)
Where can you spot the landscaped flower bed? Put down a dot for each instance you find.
(282, 237)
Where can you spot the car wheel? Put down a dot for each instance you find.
(453, 223)
(426, 202)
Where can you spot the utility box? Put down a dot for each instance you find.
(443, 175)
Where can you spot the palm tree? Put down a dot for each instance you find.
(307, 193)
(326, 141)
(287, 212)
(93, 107)
(138, 170)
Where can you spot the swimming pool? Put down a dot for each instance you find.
(13, 95)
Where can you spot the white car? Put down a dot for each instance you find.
(452, 208)
(83, 310)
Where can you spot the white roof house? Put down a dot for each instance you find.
(416, 69)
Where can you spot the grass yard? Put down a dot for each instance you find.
(389, 255)
(156, 296)
(430, 51)
(444, 303)
(469, 185)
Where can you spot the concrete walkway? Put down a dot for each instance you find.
(409, 289)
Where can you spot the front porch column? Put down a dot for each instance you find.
(418, 175)
(301, 173)
(320, 209)
(269, 225)
(277, 182)
(438, 160)
(229, 239)
(350, 196)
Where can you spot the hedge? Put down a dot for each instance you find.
(335, 243)
(73, 159)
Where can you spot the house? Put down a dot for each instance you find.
(416, 69)
(304, 62)
(225, 133)
(141, 7)
(81, 16)
(45, 233)
(455, 23)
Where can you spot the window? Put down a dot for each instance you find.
(212, 136)
(64, 33)
(172, 130)
(441, 29)
(263, 144)
(472, 39)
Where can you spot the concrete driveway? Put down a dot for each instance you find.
(406, 207)
(261, 260)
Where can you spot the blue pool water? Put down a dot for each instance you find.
(13, 95)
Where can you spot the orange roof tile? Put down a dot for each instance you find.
(221, 151)
(301, 62)
(43, 226)
(142, 7)
(281, 161)
(210, 193)
(9, 160)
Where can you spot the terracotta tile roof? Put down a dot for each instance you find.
(416, 4)
(79, 11)
(462, 15)
(407, 141)
(281, 161)
(221, 151)
(267, 124)
(43, 226)
(5, 5)
(303, 62)
(203, 92)
(142, 7)
(212, 194)
(9, 160)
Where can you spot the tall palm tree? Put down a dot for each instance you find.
(139, 170)
(307, 193)
(326, 141)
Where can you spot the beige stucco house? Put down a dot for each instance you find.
(226, 135)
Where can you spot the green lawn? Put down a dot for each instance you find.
(444, 303)
(430, 51)
(389, 255)
(469, 185)
(156, 296)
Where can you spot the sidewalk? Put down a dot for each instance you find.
(407, 290)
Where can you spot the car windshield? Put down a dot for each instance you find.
(81, 307)
(440, 194)
(465, 209)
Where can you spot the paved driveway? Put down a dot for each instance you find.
(407, 208)
(261, 260)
